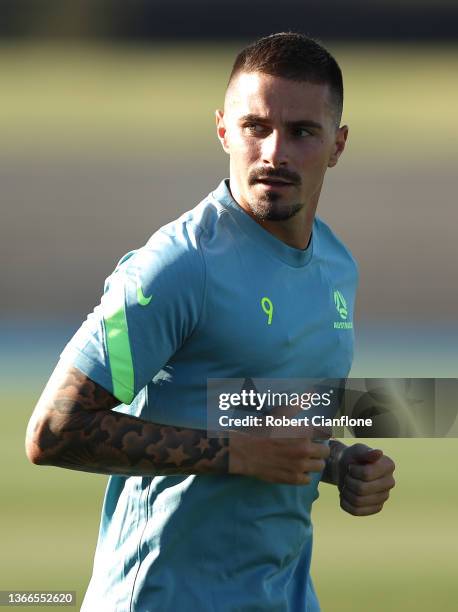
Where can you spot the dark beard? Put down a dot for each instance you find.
(268, 208)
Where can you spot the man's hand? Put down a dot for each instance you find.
(365, 480)
(279, 460)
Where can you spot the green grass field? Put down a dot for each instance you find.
(404, 558)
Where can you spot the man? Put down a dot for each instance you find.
(242, 286)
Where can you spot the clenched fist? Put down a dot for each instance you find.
(365, 478)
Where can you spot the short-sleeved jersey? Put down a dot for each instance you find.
(186, 307)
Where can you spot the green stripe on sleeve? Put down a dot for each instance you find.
(117, 338)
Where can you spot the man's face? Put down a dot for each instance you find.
(281, 136)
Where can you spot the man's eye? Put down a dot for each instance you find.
(255, 128)
(302, 132)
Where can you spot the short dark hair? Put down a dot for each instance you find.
(292, 56)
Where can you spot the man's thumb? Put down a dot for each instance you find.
(367, 455)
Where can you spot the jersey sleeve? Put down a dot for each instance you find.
(150, 306)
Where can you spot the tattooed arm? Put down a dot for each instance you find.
(74, 426)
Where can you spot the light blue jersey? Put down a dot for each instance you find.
(188, 306)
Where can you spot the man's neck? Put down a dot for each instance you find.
(295, 231)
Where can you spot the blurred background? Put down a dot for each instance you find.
(107, 132)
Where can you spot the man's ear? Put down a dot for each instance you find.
(221, 129)
(339, 145)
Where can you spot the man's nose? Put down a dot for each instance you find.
(274, 150)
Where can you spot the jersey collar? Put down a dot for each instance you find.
(288, 254)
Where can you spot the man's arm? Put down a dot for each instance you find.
(74, 426)
(363, 475)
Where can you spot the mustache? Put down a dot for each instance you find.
(269, 173)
